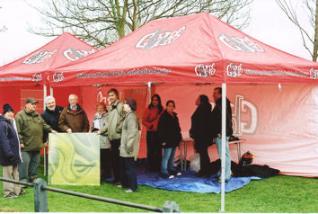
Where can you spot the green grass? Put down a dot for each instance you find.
(277, 194)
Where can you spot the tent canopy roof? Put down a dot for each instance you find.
(198, 48)
(60, 51)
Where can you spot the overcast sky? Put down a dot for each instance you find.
(267, 24)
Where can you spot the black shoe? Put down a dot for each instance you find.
(201, 174)
(116, 182)
(164, 176)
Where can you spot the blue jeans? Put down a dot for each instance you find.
(167, 163)
(227, 156)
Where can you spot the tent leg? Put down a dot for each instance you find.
(149, 87)
(51, 91)
(44, 95)
(223, 147)
(44, 149)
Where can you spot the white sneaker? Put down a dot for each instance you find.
(171, 176)
(179, 174)
(11, 195)
(129, 191)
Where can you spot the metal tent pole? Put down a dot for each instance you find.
(51, 91)
(44, 95)
(149, 84)
(44, 156)
(223, 147)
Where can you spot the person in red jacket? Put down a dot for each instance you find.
(150, 121)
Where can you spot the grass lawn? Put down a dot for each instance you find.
(277, 194)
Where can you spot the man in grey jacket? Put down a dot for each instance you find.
(113, 130)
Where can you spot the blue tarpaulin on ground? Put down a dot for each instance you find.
(191, 183)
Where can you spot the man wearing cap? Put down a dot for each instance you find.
(30, 126)
(10, 154)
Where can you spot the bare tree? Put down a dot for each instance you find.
(309, 33)
(101, 22)
(3, 28)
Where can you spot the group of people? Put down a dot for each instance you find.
(164, 134)
(22, 136)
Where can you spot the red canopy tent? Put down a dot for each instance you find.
(28, 73)
(200, 49)
(204, 50)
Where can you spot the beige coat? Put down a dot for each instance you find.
(129, 144)
(99, 123)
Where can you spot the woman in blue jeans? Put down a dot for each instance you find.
(170, 136)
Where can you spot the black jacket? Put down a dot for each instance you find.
(202, 125)
(52, 119)
(217, 118)
(9, 144)
(169, 130)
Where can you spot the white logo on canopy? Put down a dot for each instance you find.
(234, 70)
(73, 54)
(37, 77)
(240, 44)
(159, 38)
(203, 70)
(58, 77)
(313, 74)
(39, 57)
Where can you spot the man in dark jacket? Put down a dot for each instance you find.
(30, 126)
(9, 152)
(51, 114)
(73, 118)
(217, 117)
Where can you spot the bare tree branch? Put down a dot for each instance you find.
(3, 28)
(100, 22)
(309, 36)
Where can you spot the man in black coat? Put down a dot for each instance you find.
(217, 130)
(10, 154)
(201, 132)
(51, 114)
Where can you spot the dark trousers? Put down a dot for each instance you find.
(128, 173)
(115, 159)
(154, 151)
(28, 169)
(105, 164)
(202, 149)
